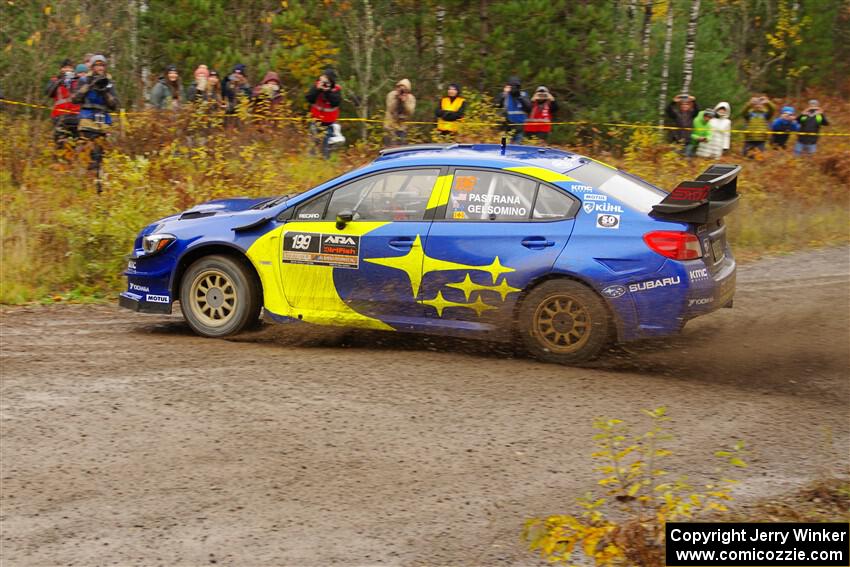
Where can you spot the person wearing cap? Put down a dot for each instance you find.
(64, 115)
(324, 97)
(401, 104)
(267, 96)
(783, 126)
(680, 113)
(236, 88)
(515, 106)
(543, 109)
(757, 115)
(168, 93)
(97, 98)
(810, 121)
(450, 111)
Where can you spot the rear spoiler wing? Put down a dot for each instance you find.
(711, 196)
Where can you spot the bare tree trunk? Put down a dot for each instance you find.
(484, 52)
(665, 64)
(618, 33)
(647, 32)
(439, 45)
(630, 54)
(145, 71)
(690, 47)
(362, 36)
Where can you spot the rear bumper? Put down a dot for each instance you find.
(134, 302)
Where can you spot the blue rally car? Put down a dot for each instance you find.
(500, 242)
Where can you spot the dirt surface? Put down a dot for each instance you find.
(128, 440)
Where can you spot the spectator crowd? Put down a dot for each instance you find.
(85, 99)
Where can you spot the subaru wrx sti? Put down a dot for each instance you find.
(556, 250)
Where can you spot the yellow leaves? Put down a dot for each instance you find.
(33, 39)
(47, 10)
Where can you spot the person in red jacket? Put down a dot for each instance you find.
(543, 109)
(324, 97)
(64, 115)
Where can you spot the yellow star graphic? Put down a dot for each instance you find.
(416, 264)
(440, 303)
(467, 286)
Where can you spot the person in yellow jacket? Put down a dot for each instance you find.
(450, 110)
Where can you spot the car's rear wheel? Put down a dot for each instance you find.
(219, 297)
(564, 321)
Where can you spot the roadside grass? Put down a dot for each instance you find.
(60, 241)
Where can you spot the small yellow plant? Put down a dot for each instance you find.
(634, 481)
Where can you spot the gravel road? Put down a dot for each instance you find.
(126, 440)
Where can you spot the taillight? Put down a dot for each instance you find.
(674, 244)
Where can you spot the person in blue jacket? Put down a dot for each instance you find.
(783, 126)
(515, 106)
(97, 98)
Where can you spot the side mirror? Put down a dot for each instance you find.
(344, 217)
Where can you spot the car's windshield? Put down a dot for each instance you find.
(628, 189)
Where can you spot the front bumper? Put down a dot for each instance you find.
(135, 302)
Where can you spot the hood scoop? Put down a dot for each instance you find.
(196, 214)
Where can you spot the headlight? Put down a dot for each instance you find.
(155, 243)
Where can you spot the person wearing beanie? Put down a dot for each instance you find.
(65, 113)
(97, 98)
(783, 126)
(543, 109)
(168, 93)
(450, 111)
(810, 122)
(401, 104)
(267, 96)
(324, 97)
(515, 106)
(236, 88)
(81, 69)
(680, 114)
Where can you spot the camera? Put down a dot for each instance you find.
(101, 84)
(324, 84)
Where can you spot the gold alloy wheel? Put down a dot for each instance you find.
(561, 324)
(213, 298)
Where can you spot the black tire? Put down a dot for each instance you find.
(563, 321)
(219, 296)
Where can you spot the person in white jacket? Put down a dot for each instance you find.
(718, 141)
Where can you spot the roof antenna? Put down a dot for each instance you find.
(504, 144)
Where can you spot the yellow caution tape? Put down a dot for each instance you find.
(124, 114)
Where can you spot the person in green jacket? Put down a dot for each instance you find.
(757, 115)
(701, 132)
(168, 92)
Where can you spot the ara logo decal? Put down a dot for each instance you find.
(653, 284)
(614, 291)
(339, 239)
(588, 207)
(607, 221)
(595, 197)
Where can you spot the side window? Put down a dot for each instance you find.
(490, 195)
(553, 204)
(313, 210)
(391, 196)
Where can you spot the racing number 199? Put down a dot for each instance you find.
(301, 241)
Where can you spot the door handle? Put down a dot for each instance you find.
(402, 242)
(537, 242)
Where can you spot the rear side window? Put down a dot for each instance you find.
(553, 204)
(632, 191)
(490, 195)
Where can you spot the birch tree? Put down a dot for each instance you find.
(630, 53)
(690, 47)
(646, 35)
(362, 35)
(665, 63)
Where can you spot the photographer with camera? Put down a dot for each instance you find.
(324, 97)
(810, 122)
(757, 115)
(401, 104)
(680, 113)
(64, 115)
(96, 97)
(515, 107)
(235, 89)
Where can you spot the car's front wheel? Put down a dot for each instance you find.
(564, 321)
(219, 296)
